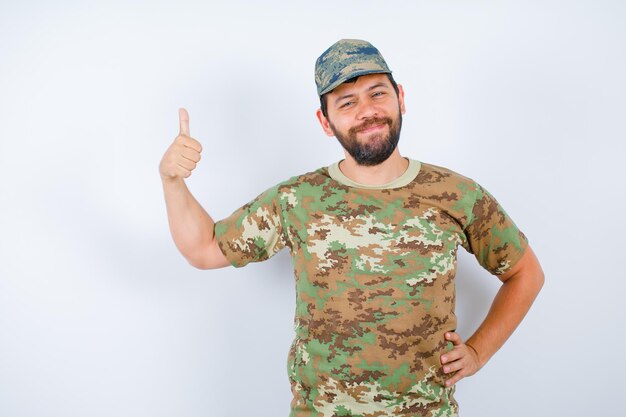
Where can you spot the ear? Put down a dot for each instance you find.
(401, 99)
(324, 122)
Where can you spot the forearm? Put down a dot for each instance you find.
(190, 225)
(509, 307)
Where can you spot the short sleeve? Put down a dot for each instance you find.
(491, 234)
(252, 233)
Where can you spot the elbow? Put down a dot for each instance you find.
(210, 257)
(203, 263)
(534, 282)
(198, 264)
(540, 280)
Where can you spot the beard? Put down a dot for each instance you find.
(377, 147)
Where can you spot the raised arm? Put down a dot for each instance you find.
(190, 225)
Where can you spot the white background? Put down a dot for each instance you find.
(101, 316)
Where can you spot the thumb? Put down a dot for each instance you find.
(183, 118)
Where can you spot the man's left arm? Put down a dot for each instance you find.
(520, 286)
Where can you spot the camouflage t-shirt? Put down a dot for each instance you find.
(374, 270)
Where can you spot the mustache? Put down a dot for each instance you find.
(372, 122)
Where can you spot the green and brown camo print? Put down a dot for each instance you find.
(375, 293)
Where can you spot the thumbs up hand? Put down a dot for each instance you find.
(183, 155)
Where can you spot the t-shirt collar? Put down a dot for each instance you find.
(404, 179)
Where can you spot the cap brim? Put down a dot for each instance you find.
(347, 77)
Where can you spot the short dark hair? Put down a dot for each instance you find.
(353, 80)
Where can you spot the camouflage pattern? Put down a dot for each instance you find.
(346, 59)
(375, 291)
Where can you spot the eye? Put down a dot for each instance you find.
(346, 104)
(378, 94)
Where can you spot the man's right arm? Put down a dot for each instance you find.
(192, 229)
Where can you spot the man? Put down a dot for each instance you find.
(373, 240)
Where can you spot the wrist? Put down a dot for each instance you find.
(166, 180)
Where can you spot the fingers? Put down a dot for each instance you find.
(457, 365)
(183, 171)
(183, 118)
(190, 143)
(460, 362)
(453, 367)
(186, 160)
(191, 154)
(451, 356)
(454, 338)
(187, 164)
(456, 378)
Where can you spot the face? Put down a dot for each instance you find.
(366, 118)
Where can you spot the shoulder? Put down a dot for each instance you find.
(311, 180)
(439, 182)
(431, 174)
(455, 193)
(317, 176)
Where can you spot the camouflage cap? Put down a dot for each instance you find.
(347, 59)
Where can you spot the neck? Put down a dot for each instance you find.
(383, 173)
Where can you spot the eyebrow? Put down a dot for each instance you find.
(369, 89)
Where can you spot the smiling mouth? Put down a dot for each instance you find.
(372, 128)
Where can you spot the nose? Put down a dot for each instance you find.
(366, 109)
